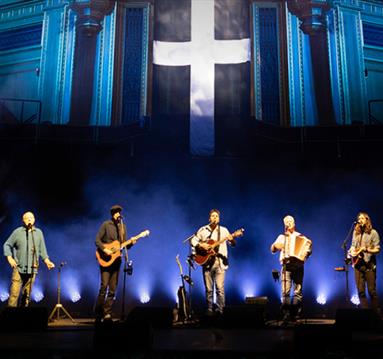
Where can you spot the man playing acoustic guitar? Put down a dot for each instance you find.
(364, 248)
(110, 231)
(217, 263)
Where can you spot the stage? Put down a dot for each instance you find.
(308, 337)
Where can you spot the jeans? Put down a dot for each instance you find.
(363, 277)
(292, 276)
(108, 288)
(23, 282)
(288, 278)
(215, 278)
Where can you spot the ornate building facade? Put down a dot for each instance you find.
(199, 67)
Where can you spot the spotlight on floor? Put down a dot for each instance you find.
(75, 297)
(355, 299)
(321, 299)
(37, 295)
(4, 296)
(144, 298)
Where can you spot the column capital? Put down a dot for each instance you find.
(90, 14)
(311, 13)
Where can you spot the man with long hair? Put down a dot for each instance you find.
(364, 248)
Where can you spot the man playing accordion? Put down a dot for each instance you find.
(294, 249)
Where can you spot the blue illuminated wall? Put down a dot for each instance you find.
(356, 62)
(134, 78)
(267, 59)
(39, 63)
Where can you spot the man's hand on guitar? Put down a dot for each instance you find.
(108, 251)
(205, 246)
(355, 252)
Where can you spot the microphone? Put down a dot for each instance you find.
(29, 225)
(119, 219)
(62, 263)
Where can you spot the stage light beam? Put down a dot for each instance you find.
(321, 299)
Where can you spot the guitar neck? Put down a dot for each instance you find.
(217, 243)
(129, 241)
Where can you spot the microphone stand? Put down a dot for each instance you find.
(34, 264)
(124, 284)
(59, 306)
(285, 306)
(347, 262)
(125, 270)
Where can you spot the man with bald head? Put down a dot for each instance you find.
(22, 249)
(294, 249)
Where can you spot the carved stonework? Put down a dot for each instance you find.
(311, 13)
(90, 14)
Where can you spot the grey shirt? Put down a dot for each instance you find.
(368, 240)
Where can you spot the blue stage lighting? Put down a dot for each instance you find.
(37, 295)
(355, 299)
(144, 298)
(321, 299)
(75, 297)
(4, 296)
(248, 289)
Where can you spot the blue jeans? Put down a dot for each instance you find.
(288, 279)
(214, 278)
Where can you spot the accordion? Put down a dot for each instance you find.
(300, 248)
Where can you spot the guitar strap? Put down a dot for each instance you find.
(211, 260)
(218, 235)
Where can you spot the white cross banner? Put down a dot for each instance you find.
(202, 53)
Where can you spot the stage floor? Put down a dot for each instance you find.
(314, 338)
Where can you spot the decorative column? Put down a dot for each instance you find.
(90, 15)
(312, 14)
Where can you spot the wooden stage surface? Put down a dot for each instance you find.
(307, 338)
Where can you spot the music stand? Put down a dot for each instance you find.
(59, 306)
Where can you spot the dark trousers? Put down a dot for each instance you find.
(108, 288)
(367, 277)
(292, 276)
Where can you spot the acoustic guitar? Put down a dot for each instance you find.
(183, 304)
(202, 256)
(357, 256)
(105, 260)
